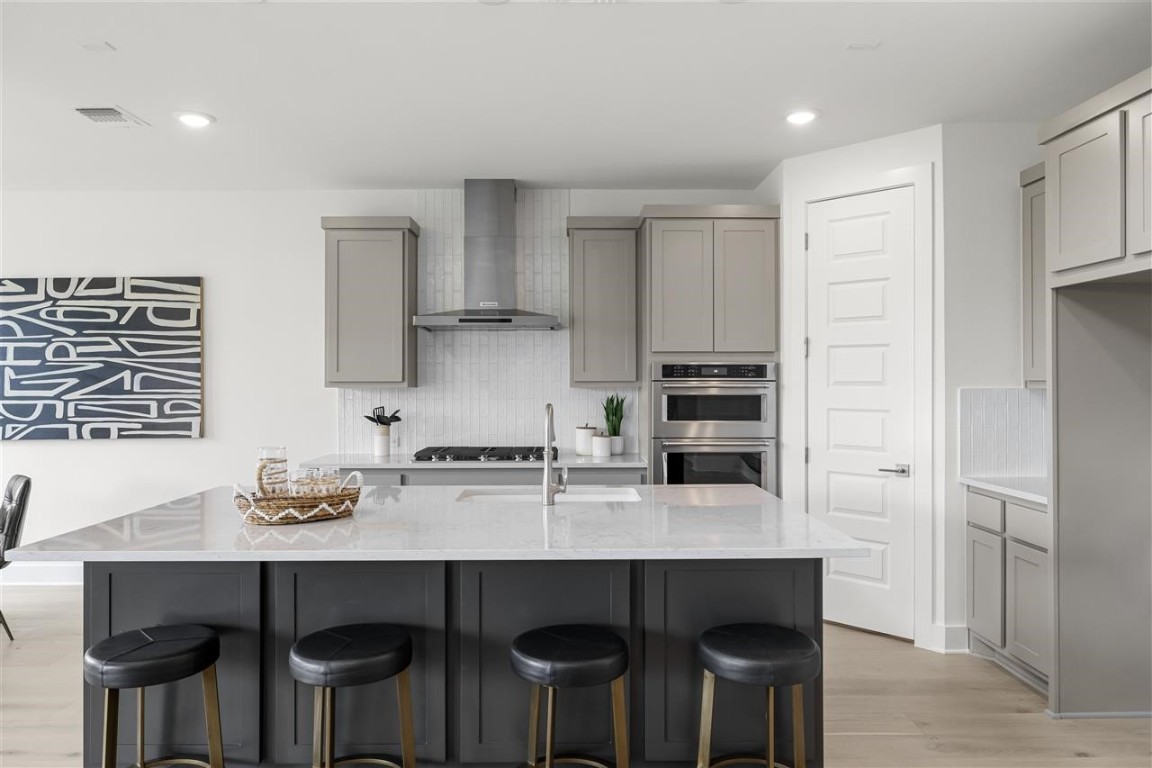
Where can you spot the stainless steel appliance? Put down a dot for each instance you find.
(714, 423)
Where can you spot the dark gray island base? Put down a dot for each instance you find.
(469, 706)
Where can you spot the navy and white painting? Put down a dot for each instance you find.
(93, 358)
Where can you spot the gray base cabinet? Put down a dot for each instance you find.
(1009, 585)
(534, 476)
(470, 708)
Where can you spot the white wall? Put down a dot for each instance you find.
(976, 296)
(261, 256)
(981, 295)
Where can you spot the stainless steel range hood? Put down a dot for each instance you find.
(489, 266)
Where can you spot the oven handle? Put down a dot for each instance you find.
(717, 443)
(717, 385)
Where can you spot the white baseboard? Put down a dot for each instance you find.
(1096, 715)
(42, 574)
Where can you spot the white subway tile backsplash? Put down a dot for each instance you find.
(488, 387)
(1003, 432)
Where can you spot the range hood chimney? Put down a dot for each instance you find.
(489, 265)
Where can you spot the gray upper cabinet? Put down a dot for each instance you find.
(1138, 176)
(682, 285)
(744, 285)
(713, 285)
(1085, 190)
(1034, 275)
(603, 307)
(1098, 175)
(369, 300)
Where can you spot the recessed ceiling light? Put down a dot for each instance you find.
(195, 119)
(802, 116)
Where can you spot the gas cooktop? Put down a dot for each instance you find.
(499, 453)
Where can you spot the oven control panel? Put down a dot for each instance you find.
(715, 371)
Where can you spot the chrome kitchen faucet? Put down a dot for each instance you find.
(551, 489)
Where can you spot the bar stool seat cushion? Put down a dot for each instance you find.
(760, 654)
(569, 655)
(352, 654)
(151, 656)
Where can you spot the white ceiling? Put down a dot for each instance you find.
(582, 95)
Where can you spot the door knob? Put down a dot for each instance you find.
(903, 470)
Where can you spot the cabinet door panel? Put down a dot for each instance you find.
(745, 285)
(1085, 190)
(1034, 273)
(365, 304)
(603, 320)
(498, 601)
(1138, 177)
(986, 585)
(307, 597)
(1029, 630)
(682, 279)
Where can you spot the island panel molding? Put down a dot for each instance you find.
(87, 358)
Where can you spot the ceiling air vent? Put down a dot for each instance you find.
(111, 116)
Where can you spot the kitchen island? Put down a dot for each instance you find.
(465, 570)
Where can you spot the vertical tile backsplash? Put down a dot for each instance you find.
(1003, 432)
(487, 387)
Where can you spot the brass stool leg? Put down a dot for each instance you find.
(798, 725)
(771, 727)
(533, 725)
(318, 728)
(111, 725)
(329, 728)
(407, 734)
(211, 717)
(705, 747)
(140, 727)
(619, 723)
(550, 727)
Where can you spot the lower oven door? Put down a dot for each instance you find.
(715, 462)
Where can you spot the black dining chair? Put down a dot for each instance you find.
(12, 524)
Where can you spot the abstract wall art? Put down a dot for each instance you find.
(88, 358)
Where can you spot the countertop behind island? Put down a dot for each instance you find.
(426, 523)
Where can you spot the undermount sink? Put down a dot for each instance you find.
(579, 495)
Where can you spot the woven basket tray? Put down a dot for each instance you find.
(289, 509)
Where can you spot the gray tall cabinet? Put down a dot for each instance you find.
(369, 300)
(1034, 277)
(1098, 169)
(603, 270)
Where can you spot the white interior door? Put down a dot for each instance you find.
(860, 405)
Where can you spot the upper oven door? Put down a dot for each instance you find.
(714, 409)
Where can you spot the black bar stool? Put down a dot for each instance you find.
(757, 654)
(571, 656)
(154, 656)
(354, 654)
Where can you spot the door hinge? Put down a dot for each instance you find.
(805, 455)
(805, 346)
(805, 241)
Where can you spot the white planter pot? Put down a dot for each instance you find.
(601, 445)
(617, 444)
(382, 441)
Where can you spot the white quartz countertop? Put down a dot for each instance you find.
(405, 461)
(704, 522)
(1034, 489)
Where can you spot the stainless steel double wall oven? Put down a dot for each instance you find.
(714, 423)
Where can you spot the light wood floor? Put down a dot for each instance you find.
(887, 704)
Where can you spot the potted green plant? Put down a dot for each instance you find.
(613, 418)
